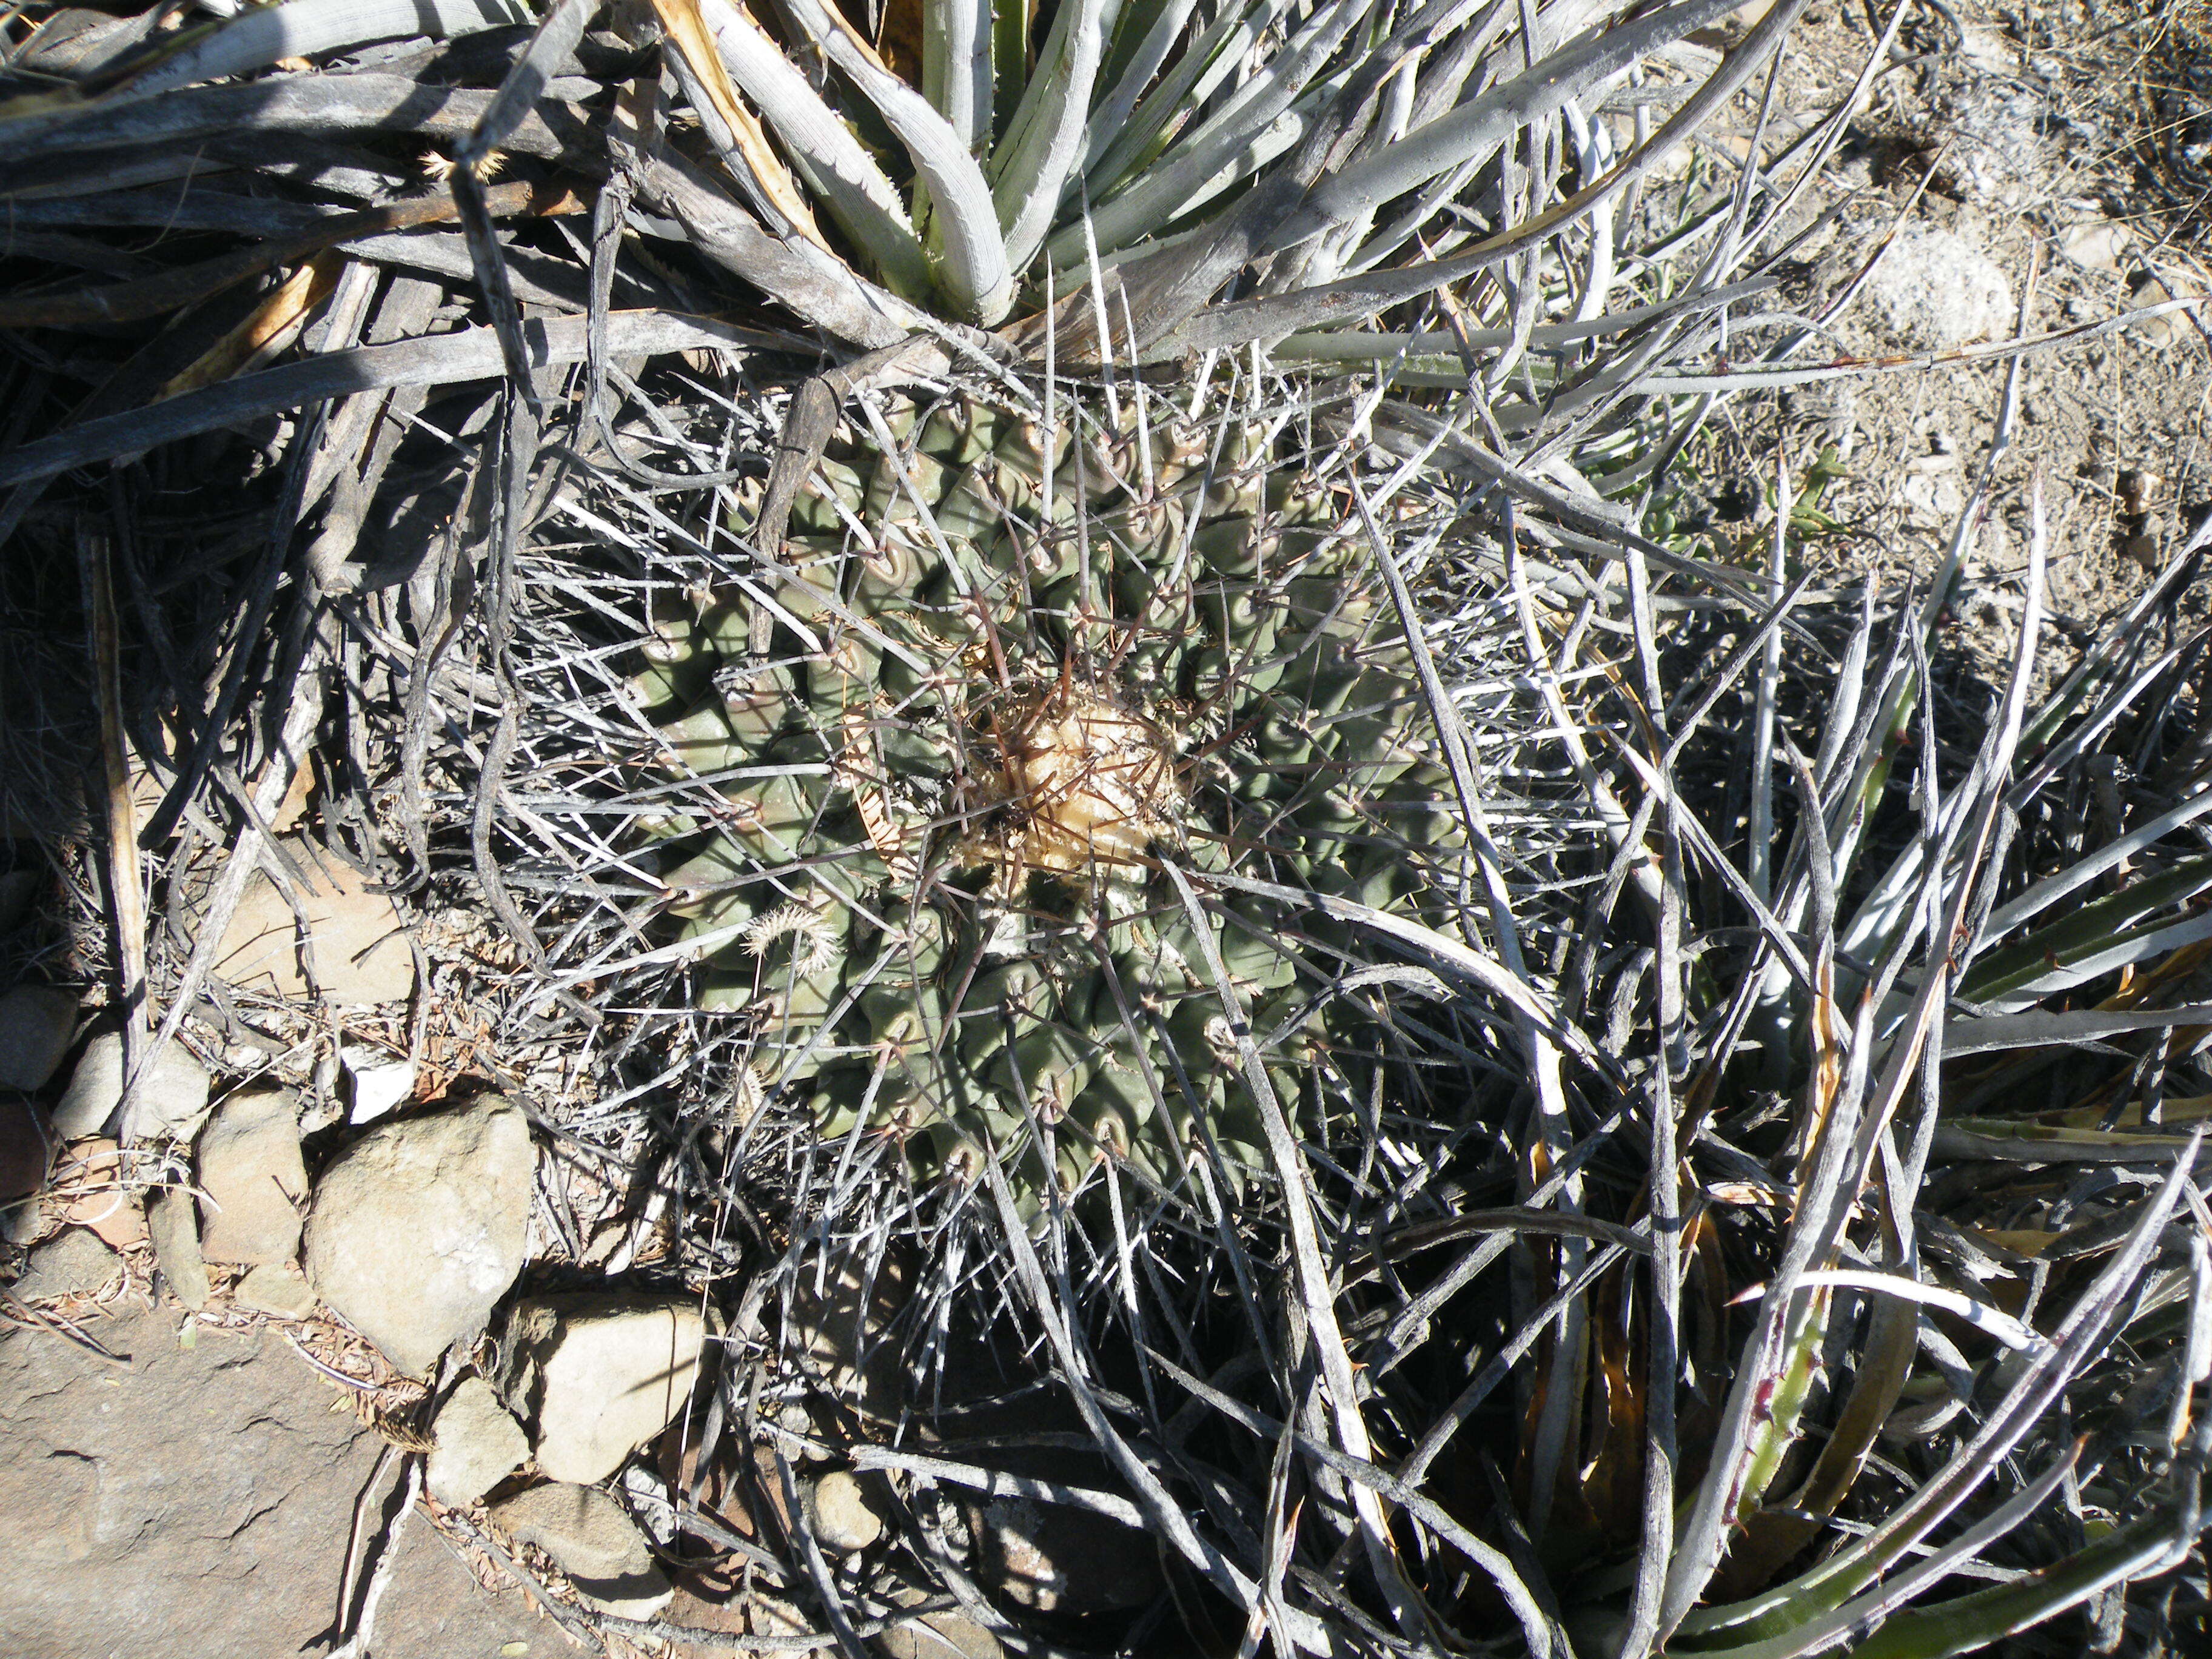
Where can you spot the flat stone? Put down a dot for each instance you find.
(26, 1149)
(360, 950)
(37, 1023)
(197, 1504)
(590, 1540)
(251, 1179)
(417, 1227)
(73, 1262)
(95, 1169)
(845, 1514)
(1934, 290)
(174, 1225)
(598, 1374)
(948, 1636)
(171, 1103)
(376, 1083)
(478, 1445)
(276, 1287)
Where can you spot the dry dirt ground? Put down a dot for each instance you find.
(2054, 154)
(208, 1501)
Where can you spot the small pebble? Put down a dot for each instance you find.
(74, 1262)
(2156, 333)
(37, 1023)
(174, 1229)
(845, 1518)
(278, 1288)
(376, 1083)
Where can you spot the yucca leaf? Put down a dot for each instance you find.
(2098, 938)
(1264, 118)
(974, 273)
(2048, 891)
(1188, 83)
(1819, 1634)
(1147, 32)
(1479, 128)
(798, 272)
(820, 144)
(2040, 1028)
(1811, 1610)
(300, 29)
(1043, 145)
(1992, 1320)
(733, 129)
(1779, 1531)
(1968, 1622)
(2028, 1142)
(956, 66)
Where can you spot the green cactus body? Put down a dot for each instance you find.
(951, 758)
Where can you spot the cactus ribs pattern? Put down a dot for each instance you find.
(994, 683)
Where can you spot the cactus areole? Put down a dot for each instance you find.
(999, 677)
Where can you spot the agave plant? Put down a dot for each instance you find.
(1836, 1049)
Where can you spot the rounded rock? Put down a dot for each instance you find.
(590, 1540)
(599, 1374)
(845, 1517)
(418, 1228)
(74, 1263)
(478, 1445)
(251, 1179)
(276, 1288)
(37, 1023)
(171, 1101)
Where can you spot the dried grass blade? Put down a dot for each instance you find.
(469, 355)
(300, 29)
(1315, 1292)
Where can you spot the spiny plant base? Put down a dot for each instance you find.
(1007, 674)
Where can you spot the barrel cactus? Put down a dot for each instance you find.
(997, 682)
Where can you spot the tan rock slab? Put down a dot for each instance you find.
(251, 1179)
(598, 1374)
(173, 1226)
(594, 1541)
(277, 1288)
(478, 1445)
(360, 950)
(418, 1228)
